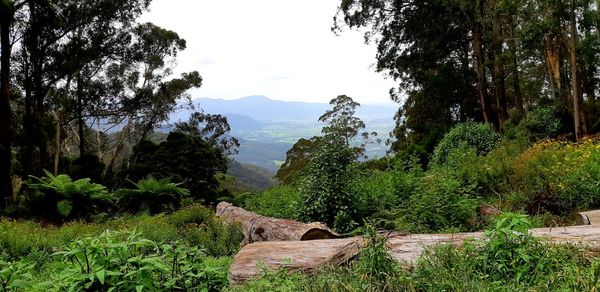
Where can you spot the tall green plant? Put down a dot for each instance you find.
(151, 195)
(326, 190)
(66, 198)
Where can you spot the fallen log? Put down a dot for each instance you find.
(261, 228)
(588, 217)
(310, 256)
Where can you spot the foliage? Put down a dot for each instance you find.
(280, 202)
(134, 264)
(437, 202)
(52, 197)
(340, 121)
(480, 137)
(297, 159)
(185, 158)
(375, 264)
(558, 177)
(151, 195)
(543, 122)
(326, 191)
(195, 225)
(211, 128)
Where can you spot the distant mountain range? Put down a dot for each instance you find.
(261, 108)
(267, 128)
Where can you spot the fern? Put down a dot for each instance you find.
(151, 195)
(68, 196)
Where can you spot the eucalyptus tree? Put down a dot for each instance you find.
(49, 31)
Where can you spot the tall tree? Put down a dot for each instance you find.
(6, 19)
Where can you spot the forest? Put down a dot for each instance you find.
(496, 139)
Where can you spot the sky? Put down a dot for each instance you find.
(282, 49)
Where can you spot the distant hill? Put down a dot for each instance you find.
(268, 155)
(264, 109)
(256, 178)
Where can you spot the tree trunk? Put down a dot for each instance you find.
(260, 228)
(309, 256)
(118, 148)
(516, 82)
(6, 189)
(499, 72)
(480, 64)
(574, 75)
(80, 122)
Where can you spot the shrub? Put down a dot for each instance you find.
(52, 197)
(280, 202)
(438, 202)
(374, 192)
(558, 177)
(153, 196)
(543, 122)
(127, 262)
(480, 137)
(326, 190)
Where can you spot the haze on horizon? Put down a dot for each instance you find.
(284, 50)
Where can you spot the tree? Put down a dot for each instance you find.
(212, 128)
(340, 120)
(6, 19)
(144, 97)
(297, 159)
(182, 158)
(327, 195)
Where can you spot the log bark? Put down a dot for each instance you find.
(260, 228)
(309, 256)
(588, 218)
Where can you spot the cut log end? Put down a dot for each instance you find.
(319, 233)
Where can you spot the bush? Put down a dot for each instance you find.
(326, 190)
(438, 202)
(59, 197)
(195, 225)
(128, 262)
(152, 196)
(280, 202)
(374, 192)
(559, 177)
(543, 122)
(480, 137)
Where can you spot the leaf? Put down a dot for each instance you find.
(139, 288)
(100, 275)
(64, 207)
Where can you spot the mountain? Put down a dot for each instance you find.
(252, 176)
(266, 154)
(267, 128)
(262, 108)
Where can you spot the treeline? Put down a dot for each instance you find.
(484, 60)
(84, 85)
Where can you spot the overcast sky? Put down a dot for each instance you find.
(283, 49)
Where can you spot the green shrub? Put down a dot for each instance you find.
(326, 190)
(127, 262)
(438, 202)
(280, 202)
(152, 196)
(195, 225)
(374, 192)
(543, 122)
(480, 137)
(51, 197)
(557, 177)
